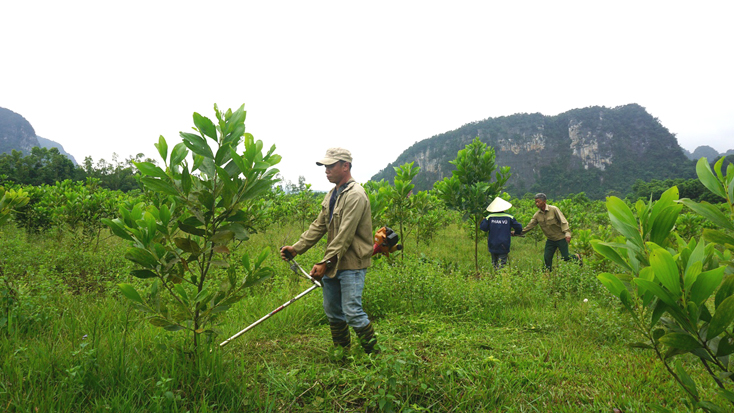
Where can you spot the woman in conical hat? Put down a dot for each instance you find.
(499, 225)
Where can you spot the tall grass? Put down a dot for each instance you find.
(517, 339)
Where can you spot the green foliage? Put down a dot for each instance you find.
(41, 166)
(10, 199)
(399, 199)
(184, 239)
(721, 184)
(69, 206)
(470, 187)
(668, 291)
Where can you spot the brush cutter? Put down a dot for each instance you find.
(295, 267)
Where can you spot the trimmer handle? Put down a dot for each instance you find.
(286, 253)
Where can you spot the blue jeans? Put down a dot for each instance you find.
(343, 298)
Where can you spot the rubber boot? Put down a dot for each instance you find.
(340, 334)
(367, 338)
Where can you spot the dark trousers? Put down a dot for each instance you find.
(499, 260)
(550, 250)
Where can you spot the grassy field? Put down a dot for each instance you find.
(517, 340)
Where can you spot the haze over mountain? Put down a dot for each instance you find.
(596, 150)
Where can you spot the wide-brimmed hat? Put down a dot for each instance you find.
(499, 205)
(334, 155)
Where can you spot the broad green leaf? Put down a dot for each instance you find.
(664, 223)
(238, 117)
(718, 237)
(197, 144)
(708, 179)
(117, 228)
(705, 285)
(187, 245)
(722, 318)
(143, 274)
(148, 168)
(728, 395)
(158, 185)
(681, 341)
(186, 181)
(666, 271)
(623, 220)
(725, 348)
(205, 126)
(240, 233)
(165, 215)
(202, 295)
(141, 256)
(692, 272)
(162, 147)
(697, 255)
(191, 230)
(688, 383)
(726, 290)
(178, 154)
(657, 290)
(222, 236)
(710, 212)
(181, 291)
(130, 292)
(613, 284)
(657, 312)
(709, 407)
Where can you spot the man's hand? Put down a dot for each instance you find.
(568, 240)
(318, 270)
(290, 250)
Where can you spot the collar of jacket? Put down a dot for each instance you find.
(347, 186)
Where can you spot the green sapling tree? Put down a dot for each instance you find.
(470, 187)
(203, 211)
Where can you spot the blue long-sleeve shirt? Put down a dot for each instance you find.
(498, 224)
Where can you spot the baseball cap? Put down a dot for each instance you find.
(334, 155)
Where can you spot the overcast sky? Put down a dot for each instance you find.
(375, 77)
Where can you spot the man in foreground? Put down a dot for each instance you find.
(499, 226)
(556, 230)
(346, 217)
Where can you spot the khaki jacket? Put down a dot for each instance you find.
(552, 222)
(349, 240)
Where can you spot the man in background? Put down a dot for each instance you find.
(556, 230)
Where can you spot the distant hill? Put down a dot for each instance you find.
(48, 143)
(16, 133)
(596, 150)
(706, 151)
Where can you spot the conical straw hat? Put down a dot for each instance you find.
(499, 205)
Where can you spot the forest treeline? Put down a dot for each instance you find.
(48, 166)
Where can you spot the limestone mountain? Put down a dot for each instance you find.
(597, 150)
(16, 133)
